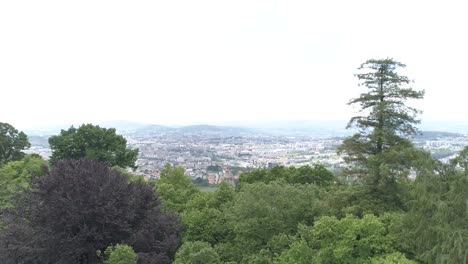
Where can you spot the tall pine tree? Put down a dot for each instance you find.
(380, 152)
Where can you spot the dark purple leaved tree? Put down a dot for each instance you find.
(80, 207)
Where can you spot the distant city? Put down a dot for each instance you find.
(221, 153)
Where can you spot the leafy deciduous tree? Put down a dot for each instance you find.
(260, 212)
(197, 253)
(204, 217)
(436, 227)
(175, 188)
(15, 175)
(83, 206)
(89, 141)
(349, 240)
(120, 254)
(12, 143)
(317, 174)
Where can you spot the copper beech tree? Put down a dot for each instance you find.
(80, 207)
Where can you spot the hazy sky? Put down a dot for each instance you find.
(199, 61)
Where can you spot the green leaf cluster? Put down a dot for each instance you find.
(90, 141)
(385, 122)
(197, 253)
(12, 142)
(175, 188)
(15, 176)
(120, 254)
(317, 174)
(436, 225)
(346, 240)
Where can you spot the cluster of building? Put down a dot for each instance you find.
(214, 158)
(223, 158)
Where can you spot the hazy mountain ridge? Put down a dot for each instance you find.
(427, 135)
(318, 129)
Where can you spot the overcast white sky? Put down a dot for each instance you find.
(202, 61)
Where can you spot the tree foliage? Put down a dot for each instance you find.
(80, 207)
(317, 174)
(12, 142)
(359, 201)
(260, 212)
(385, 121)
(197, 253)
(384, 103)
(204, 217)
(120, 254)
(436, 226)
(380, 154)
(348, 240)
(15, 175)
(175, 188)
(89, 141)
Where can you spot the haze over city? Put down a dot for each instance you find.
(189, 62)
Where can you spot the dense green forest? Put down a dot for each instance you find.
(393, 203)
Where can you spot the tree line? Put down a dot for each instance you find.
(393, 203)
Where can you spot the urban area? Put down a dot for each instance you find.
(214, 154)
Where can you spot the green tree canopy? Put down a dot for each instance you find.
(120, 254)
(204, 217)
(14, 176)
(90, 141)
(80, 207)
(436, 227)
(175, 188)
(317, 174)
(380, 153)
(197, 253)
(260, 212)
(349, 240)
(383, 105)
(12, 143)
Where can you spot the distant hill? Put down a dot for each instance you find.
(148, 129)
(155, 129)
(448, 126)
(307, 128)
(123, 126)
(428, 135)
(210, 129)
